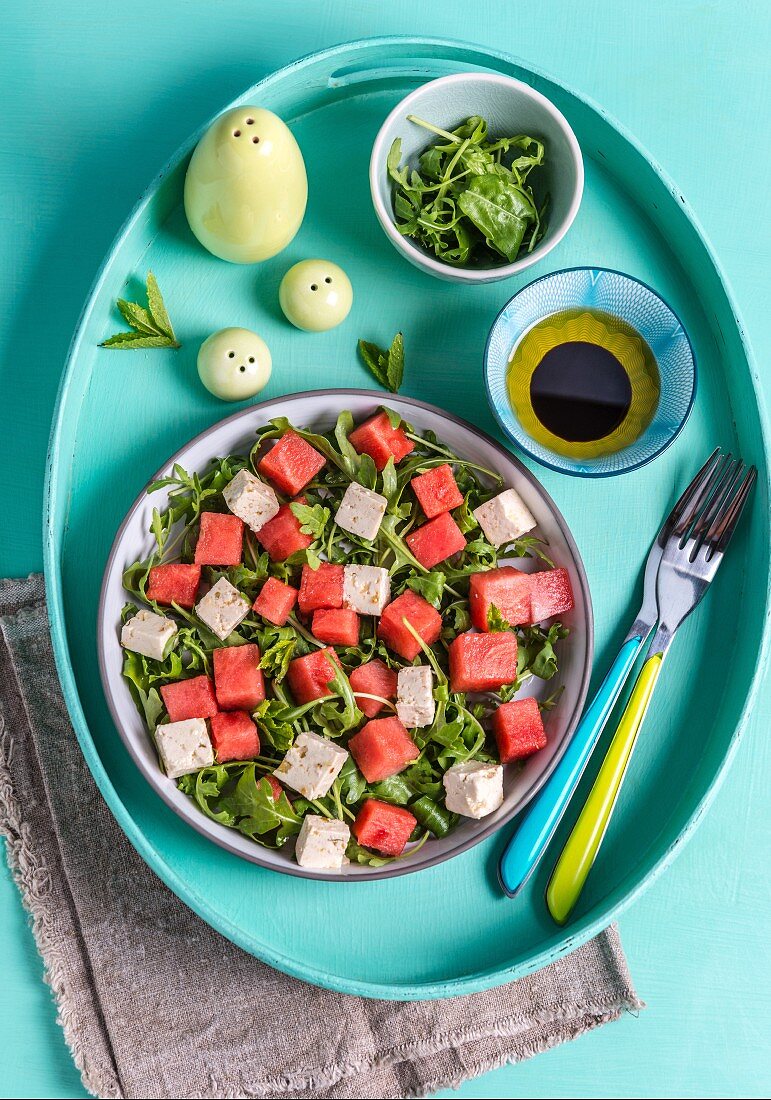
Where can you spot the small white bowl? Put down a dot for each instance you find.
(510, 107)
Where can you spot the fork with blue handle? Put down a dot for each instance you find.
(703, 519)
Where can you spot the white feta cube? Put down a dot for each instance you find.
(414, 696)
(148, 634)
(222, 609)
(504, 518)
(473, 789)
(361, 511)
(321, 843)
(366, 589)
(251, 500)
(184, 746)
(312, 765)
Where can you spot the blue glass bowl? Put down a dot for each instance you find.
(632, 301)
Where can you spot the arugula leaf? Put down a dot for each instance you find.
(357, 854)
(550, 703)
(459, 621)
(495, 621)
(235, 795)
(394, 789)
(333, 718)
(424, 777)
(277, 646)
(248, 581)
(526, 546)
(352, 782)
(147, 698)
(469, 202)
(430, 586)
(432, 816)
(536, 650)
(313, 518)
(135, 576)
(151, 327)
(387, 367)
(500, 210)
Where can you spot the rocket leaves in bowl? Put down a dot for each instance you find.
(470, 201)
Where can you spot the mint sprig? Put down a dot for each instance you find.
(150, 327)
(386, 366)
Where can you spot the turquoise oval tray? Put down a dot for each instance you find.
(447, 930)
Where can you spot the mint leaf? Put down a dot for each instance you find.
(136, 316)
(374, 358)
(387, 367)
(395, 363)
(135, 340)
(151, 327)
(157, 306)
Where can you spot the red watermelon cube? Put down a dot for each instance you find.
(419, 613)
(309, 676)
(373, 678)
(220, 540)
(381, 748)
(193, 698)
(376, 438)
(322, 587)
(506, 588)
(436, 540)
(238, 679)
(275, 601)
(234, 736)
(383, 827)
(336, 626)
(550, 594)
(482, 662)
(168, 584)
(437, 491)
(291, 463)
(281, 536)
(518, 729)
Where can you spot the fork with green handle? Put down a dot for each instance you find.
(692, 553)
(540, 820)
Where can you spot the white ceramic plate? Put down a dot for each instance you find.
(318, 410)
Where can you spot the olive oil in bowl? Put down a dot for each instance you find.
(583, 383)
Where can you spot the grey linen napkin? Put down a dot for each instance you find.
(154, 1003)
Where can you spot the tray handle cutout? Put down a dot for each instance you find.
(399, 69)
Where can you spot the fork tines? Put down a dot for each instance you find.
(715, 499)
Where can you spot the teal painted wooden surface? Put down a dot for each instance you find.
(700, 968)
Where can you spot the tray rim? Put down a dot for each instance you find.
(396, 869)
(584, 929)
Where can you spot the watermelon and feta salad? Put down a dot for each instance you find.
(328, 640)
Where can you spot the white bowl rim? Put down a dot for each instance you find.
(423, 258)
(219, 835)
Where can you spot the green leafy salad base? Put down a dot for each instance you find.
(235, 794)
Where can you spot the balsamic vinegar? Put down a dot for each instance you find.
(583, 383)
